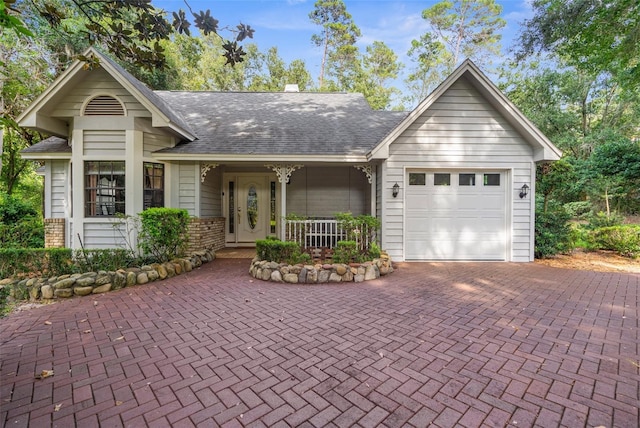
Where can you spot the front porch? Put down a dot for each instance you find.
(290, 202)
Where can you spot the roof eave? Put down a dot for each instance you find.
(43, 156)
(226, 157)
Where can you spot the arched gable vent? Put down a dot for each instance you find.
(104, 105)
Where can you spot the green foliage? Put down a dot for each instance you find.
(459, 28)
(578, 209)
(624, 239)
(552, 233)
(163, 233)
(597, 35)
(337, 39)
(109, 259)
(52, 261)
(275, 250)
(4, 294)
(362, 229)
(133, 31)
(20, 224)
(601, 219)
(347, 252)
(374, 251)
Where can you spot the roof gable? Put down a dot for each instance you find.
(162, 114)
(543, 148)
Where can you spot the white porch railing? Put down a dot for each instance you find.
(323, 233)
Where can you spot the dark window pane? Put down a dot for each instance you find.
(467, 179)
(492, 179)
(442, 179)
(417, 179)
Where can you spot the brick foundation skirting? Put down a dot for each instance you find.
(206, 233)
(54, 232)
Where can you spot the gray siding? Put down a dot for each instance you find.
(104, 144)
(210, 194)
(60, 185)
(325, 191)
(461, 130)
(154, 142)
(104, 234)
(187, 187)
(96, 82)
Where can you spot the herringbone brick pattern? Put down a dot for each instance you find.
(446, 345)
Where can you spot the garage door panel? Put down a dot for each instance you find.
(455, 222)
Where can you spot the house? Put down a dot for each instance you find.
(454, 179)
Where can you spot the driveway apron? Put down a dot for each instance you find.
(433, 344)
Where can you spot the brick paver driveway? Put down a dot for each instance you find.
(458, 344)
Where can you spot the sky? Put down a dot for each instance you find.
(286, 24)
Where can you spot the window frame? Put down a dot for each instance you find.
(153, 185)
(113, 188)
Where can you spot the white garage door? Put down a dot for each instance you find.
(455, 215)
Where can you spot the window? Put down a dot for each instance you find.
(467, 179)
(442, 179)
(417, 179)
(104, 188)
(232, 208)
(272, 204)
(492, 179)
(153, 185)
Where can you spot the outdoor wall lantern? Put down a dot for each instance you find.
(524, 191)
(395, 190)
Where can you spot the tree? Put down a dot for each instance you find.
(131, 30)
(461, 28)
(272, 74)
(380, 65)
(23, 73)
(337, 39)
(594, 35)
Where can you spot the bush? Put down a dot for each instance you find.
(624, 240)
(108, 259)
(578, 209)
(362, 229)
(601, 219)
(163, 233)
(4, 293)
(347, 252)
(53, 261)
(20, 224)
(552, 232)
(275, 250)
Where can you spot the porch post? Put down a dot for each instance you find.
(370, 171)
(284, 173)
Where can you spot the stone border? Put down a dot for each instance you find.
(84, 284)
(320, 273)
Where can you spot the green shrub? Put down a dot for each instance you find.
(374, 251)
(279, 251)
(163, 232)
(4, 293)
(52, 261)
(21, 225)
(601, 219)
(552, 231)
(621, 239)
(347, 252)
(580, 237)
(578, 209)
(362, 229)
(110, 259)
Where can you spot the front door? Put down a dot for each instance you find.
(252, 208)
